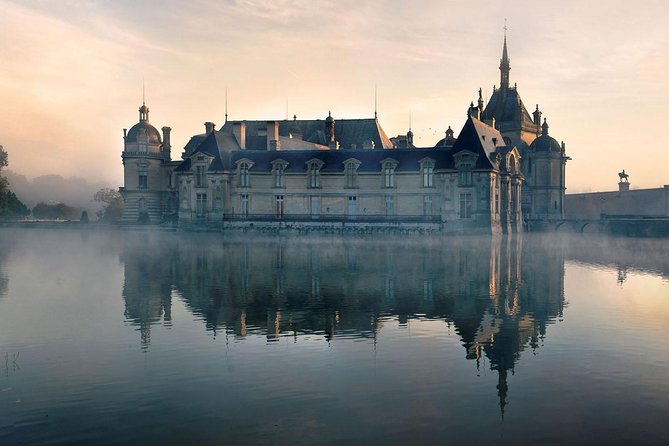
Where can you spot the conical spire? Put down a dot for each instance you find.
(504, 65)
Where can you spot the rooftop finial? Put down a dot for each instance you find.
(143, 110)
(226, 104)
(504, 64)
(375, 102)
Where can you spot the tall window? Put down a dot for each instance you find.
(389, 176)
(465, 175)
(388, 171)
(279, 206)
(279, 174)
(244, 175)
(351, 173)
(143, 182)
(314, 174)
(427, 205)
(201, 204)
(200, 176)
(244, 201)
(466, 205)
(427, 173)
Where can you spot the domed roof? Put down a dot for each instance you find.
(545, 143)
(143, 127)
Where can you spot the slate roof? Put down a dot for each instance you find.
(151, 131)
(478, 137)
(475, 136)
(333, 160)
(303, 134)
(507, 108)
(545, 143)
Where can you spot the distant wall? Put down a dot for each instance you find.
(641, 202)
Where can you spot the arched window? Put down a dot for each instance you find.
(279, 172)
(244, 175)
(351, 173)
(314, 173)
(243, 167)
(427, 172)
(388, 172)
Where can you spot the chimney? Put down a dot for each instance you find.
(273, 135)
(209, 127)
(239, 130)
(167, 146)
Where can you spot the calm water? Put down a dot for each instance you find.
(139, 338)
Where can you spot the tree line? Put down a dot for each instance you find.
(11, 208)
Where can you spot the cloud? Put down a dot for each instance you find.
(72, 71)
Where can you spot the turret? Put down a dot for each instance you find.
(143, 113)
(537, 118)
(330, 129)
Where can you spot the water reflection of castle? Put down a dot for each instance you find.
(499, 294)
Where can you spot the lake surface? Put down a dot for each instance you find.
(170, 338)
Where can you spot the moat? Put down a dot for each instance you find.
(177, 338)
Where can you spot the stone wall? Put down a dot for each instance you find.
(635, 202)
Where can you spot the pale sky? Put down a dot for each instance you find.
(71, 73)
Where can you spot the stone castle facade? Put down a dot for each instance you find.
(503, 168)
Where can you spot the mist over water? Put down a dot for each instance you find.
(172, 338)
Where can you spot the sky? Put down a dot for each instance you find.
(71, 74)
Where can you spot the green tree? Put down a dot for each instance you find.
(10, 206)
(4, 162)
(56, 211)
(112, 205)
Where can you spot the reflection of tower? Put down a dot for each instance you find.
(146, 289)
(531, 296)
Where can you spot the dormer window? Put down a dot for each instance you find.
(314, 173)
(279, 172)
(465, 162)
(243, 167)
(351, 173)
(427, 172)
(388, 169)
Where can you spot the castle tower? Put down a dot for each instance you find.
(546, 162)
(144, 181)
(542, 158)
